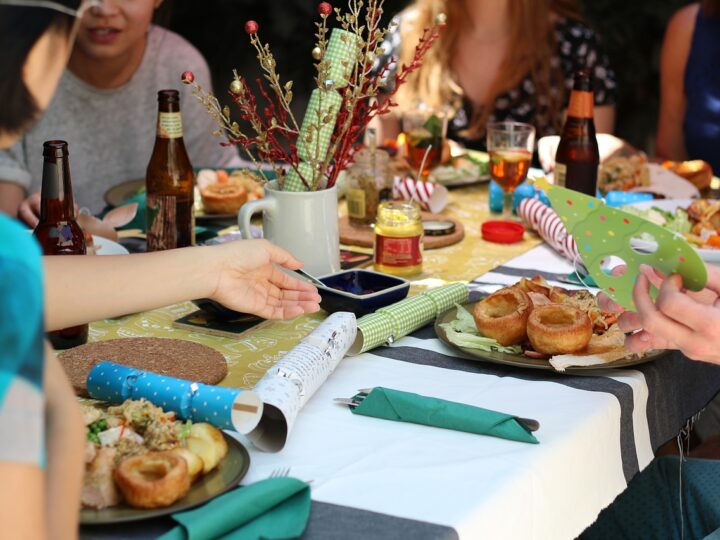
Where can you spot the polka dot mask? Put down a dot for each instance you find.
(607, 237)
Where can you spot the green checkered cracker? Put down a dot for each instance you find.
(393, 322)
(293, 182)
(341, 53)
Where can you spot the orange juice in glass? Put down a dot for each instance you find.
(424, 130)
(510, 145)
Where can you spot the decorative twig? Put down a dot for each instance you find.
(275, 128)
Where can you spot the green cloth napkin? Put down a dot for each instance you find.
(428, 411)
(401, 318)
(272, 509)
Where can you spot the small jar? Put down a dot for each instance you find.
(368, 177)
(398, 238)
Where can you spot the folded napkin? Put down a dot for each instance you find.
(397, 320)
(272, 509)
(428, 411)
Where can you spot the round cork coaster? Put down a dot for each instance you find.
(365, 236)
(172, 357)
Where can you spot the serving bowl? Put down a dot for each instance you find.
(360, 291)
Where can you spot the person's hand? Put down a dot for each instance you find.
(29, 210)
(678, 319)
(250, 280)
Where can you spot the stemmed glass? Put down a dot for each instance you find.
(425, 130)
(510, 145)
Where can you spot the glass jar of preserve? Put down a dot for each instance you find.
(368, 180)
(398, 238)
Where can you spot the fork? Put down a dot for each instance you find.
(529, 424)
(280, 472)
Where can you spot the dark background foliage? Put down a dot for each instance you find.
(632, 31)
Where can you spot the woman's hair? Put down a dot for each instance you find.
(20, 28)
(532, 45)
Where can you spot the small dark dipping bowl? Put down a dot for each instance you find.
(361, 291)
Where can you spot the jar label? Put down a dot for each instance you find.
(169, 125)
(560, 174)
(393, 251)
(356, 203)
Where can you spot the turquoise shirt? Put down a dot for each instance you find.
(22, 405)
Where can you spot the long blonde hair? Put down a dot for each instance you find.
(532, 45)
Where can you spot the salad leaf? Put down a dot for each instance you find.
(677, 221)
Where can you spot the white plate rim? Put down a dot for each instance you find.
(108, 246)
(707, 255)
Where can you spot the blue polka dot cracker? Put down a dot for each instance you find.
(225, 408)
(602, 232)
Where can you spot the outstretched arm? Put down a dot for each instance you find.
(243, 275)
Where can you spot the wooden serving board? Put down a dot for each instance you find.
(365, 236)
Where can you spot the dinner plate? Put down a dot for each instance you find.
(670, 205)
(448, 176)
(230, 471)
(519, 360)
(122, 193)
(103, 246)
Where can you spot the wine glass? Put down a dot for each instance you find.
(510, 145)
(425, 130)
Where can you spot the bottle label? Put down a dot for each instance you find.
(170, 222)
(560, 174)
(391, 251)
(581, 104)
(169, 125)
(356, 203)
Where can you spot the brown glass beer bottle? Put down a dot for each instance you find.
(57, 232)
(577, 157)
(169, 181)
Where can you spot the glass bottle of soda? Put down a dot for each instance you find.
(57, 231)
(169, 181)
(577, 158)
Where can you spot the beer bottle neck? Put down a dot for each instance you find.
(56, 199)
(169, 123)
(581, 104)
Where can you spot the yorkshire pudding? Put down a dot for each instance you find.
(153, 480)
(559, 329)
(503, 316)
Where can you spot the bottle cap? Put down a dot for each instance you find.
(502, 232)
(438, 227)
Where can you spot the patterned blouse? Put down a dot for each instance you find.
(577, 46)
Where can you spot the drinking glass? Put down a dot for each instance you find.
(424, 129)
(510, 145)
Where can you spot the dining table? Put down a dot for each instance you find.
(371, 478)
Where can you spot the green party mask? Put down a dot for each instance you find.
(601, 232)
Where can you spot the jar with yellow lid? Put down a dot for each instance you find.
(398, 238)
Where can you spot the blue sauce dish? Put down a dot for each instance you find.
(361, 291)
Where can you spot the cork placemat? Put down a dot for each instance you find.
(365, 236)
(173, 357)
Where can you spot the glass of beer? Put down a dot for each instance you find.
(424, 130)
(510, 145)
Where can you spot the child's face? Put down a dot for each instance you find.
(116, 28)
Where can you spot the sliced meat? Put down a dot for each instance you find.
(99, 489)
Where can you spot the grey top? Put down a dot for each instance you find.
(111, 133)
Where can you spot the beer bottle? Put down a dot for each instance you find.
(57, 231)
(577, 157)
(169, 181)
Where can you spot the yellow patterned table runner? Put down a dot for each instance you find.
(251, 355)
